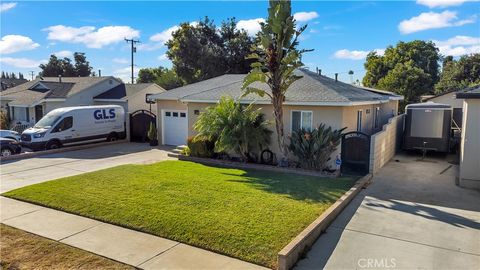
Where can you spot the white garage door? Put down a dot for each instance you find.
(174, 127)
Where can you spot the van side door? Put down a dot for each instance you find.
(64, 130)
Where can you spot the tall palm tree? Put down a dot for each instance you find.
(276, 58)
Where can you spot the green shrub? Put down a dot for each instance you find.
(152, 132)
(200, 147)
(4, 121)
(313, 148)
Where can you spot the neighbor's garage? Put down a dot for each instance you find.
(174, 126)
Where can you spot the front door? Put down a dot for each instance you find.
(38, 113)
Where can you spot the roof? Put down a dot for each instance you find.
(471, 92)
(24, 94)
(311, 89)
(439, 95)
(123, 91)
(428, 105)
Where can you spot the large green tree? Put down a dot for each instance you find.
(276, 59)
(419, 58)
(459, 74)
(201, 51)
(166, 78)
(65, 67)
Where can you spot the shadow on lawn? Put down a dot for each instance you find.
(298, 187)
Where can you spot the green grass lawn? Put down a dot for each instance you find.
(247, 214)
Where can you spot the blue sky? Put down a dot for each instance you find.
(340, 32)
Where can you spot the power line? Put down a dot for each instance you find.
(32, 73)
(133, 50)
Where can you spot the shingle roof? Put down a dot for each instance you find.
(471, 92)
(311, 88)
(123, 91)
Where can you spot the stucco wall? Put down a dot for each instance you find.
(470, 145)
(137, 101)
(384, 144)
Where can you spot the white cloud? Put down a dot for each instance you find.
(22, 62)
(7, 6)
(432, 20)
(16, 43)
(126, 73)
(163, 57)
(120, 60)
(305, 16)
(441, 3)
(165, 35)
(459, 45)
(65, 53)
(355, 55)
(251, 26)
(90, 36)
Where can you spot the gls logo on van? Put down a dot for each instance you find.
(102, 114)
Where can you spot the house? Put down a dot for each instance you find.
(449, 99)
(29, 102)
(310, 101)
(6, 83)
(470, 142)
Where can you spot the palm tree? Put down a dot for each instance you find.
(276, 59)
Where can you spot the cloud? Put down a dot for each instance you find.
(355, 55)
(459, 45)
(22, 62)
(251, 26)
(90, 36)
(165, 35)
(163, 57)
(16, 43)
(305, 16)
(62, 54)
(126, 73)
(120, 60)
(432, 20)
(7, 6)
(442, 3)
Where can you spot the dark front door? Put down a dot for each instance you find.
(139, 124)
(355, 153)
(38, 113)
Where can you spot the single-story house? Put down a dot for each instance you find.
(29, 102)
(310, 101)
(470, 143)
(449, 99)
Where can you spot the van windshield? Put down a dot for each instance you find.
(47, 121)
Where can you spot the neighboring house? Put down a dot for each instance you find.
(9, 83)
(29, 102)
(449, 99)
(310, 101)
(470, 144)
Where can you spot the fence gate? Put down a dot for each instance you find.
(355, 153)
(139, 124)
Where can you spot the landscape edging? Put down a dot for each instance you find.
(59, 150)
(292, 252)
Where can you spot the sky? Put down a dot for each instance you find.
(341, 33)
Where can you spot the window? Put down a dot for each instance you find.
(175, 114)
(302, 119)
(377, 115)
(359, 120)
(65, 124)
(183, 114)
(168, 113)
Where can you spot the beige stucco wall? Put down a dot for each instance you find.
(384, 144)
(137, 101)
(470, 145)
(448, 99)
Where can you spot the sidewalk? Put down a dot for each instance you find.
(128, 246)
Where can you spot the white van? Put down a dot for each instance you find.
(74, 125)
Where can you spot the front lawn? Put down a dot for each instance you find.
(246, 214)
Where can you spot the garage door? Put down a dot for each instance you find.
(174, 127)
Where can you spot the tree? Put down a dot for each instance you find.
(82, 67)
(200, 51)
(65, 68)
(166, 78)
(459, 74)
(3, 75)
(420, 58)
(276, 59)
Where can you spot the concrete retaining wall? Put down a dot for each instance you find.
(384, 144)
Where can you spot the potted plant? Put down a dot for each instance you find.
(152, 135)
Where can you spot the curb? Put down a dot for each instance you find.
(292, 252)
(59, 150)
(236, 165)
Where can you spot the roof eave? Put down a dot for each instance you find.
(296, 103)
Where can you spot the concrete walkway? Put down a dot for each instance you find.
(411, 217)
(131, 247)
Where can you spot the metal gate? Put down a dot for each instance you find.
(139, 124)
(355, 153)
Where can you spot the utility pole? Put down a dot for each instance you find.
(32, 73)
(133, 50)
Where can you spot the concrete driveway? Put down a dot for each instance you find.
(24, 172)
(411, 217)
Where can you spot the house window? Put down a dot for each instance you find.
(175, 114)
(183, 114)
(377, 119)
(168, 113)
(359, 120)
(302, 120)
(19, 114)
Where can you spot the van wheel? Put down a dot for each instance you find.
(53, 145)
(112, 137)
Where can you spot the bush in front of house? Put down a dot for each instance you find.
(4, 121)
(234, 128)
(313, 148)
(200, 147)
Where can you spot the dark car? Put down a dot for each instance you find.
(9, 147)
